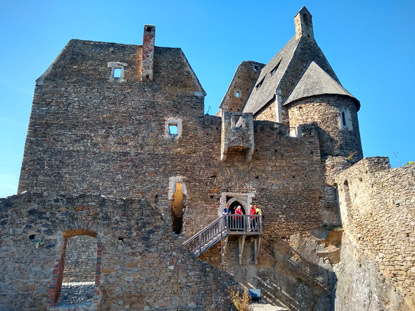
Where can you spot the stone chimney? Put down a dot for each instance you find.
(148, 53)
(303, 24)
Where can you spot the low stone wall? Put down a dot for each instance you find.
(378, 214)
(139, 265)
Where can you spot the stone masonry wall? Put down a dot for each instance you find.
(377, 207)
(242, 83)
(136, 255)
(325, 112)
(88, 134)
(80, 259)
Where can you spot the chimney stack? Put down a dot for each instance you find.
(303, 24)
(148, 53)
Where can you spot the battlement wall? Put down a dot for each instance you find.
(377, 207)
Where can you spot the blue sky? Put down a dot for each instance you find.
(369, 44)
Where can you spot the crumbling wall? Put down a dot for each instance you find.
(138, 264)
(377, 207)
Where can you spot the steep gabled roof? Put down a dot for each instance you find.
(264, 89)
(83, 60)
(315, 81)
(292, 62)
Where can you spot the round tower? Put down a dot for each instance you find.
(319, 99)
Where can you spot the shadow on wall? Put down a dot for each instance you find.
(286, 276)
(298, 282)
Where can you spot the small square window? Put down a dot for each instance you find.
(237, 94)
(117, 73)
(173, 130)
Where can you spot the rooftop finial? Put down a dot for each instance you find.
(303, 24)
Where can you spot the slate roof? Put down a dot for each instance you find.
(292, 61)
(263, 93)
(315, 81)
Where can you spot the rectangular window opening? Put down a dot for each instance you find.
(343, 119)
(117, 73)
(173, 130)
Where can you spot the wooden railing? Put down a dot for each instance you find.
(222, 227)
(207, 237)
(244, 224)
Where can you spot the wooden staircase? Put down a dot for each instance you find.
(219, 230)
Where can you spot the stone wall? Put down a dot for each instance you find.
(91, 134)
(377, 207)
(241, 86)
(139, 265)
(80, 259)
(361, 286)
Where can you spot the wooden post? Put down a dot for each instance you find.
(224, 244)
(241, 243)
(257, 243)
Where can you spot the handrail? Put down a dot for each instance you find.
(220, 228)
(207, 237)
(205, 229)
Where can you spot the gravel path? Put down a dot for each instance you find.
(73, 293)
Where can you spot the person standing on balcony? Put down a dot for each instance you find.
(239, 221)
(252, 220)
(259, 213)
(226, 211)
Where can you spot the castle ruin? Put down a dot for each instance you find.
(123, 169)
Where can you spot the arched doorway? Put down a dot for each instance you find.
(234, 205)
(233, 199)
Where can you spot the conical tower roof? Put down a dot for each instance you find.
(314, 82)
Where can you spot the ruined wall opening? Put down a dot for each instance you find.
(76, 277)
(177, 209)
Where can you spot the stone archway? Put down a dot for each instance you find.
(244, 199)
(234, 202)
